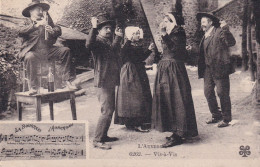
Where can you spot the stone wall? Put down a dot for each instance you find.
(190, 10)
(207, 5)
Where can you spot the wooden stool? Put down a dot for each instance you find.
(50, 97)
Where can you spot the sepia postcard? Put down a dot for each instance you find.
(129, 83)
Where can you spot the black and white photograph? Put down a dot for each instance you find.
(130, 83)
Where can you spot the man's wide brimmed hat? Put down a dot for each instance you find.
(208, 15)
(104, 19)
(26, 11)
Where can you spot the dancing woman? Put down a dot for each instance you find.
(134, 99)
(173, 109)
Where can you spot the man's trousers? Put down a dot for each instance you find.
(106, 98)
(60, 54)
(223, 91)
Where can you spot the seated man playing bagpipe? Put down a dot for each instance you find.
(39, 34)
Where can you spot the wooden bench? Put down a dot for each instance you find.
(50, 97)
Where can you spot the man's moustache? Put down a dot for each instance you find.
(39, 17)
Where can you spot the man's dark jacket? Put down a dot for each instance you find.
(217, 47)
(31, 35)
(106, 59)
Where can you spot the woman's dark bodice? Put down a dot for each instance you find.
(174, 45)
(134, 54)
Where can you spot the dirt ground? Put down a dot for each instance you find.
(212, 142)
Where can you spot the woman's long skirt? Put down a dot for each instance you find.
(172, 108)
(134, 99)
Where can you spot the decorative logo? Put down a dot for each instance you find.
(244, 151)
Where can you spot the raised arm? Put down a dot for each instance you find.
(227, 37)
(56, 29)
(148, 51)
(176, 40)
(118, 38)
(26, 28)
(91, 38)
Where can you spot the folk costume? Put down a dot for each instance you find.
(214, 66)
(134, 98)
(106, 74)
(36, 48)
(173, 108)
